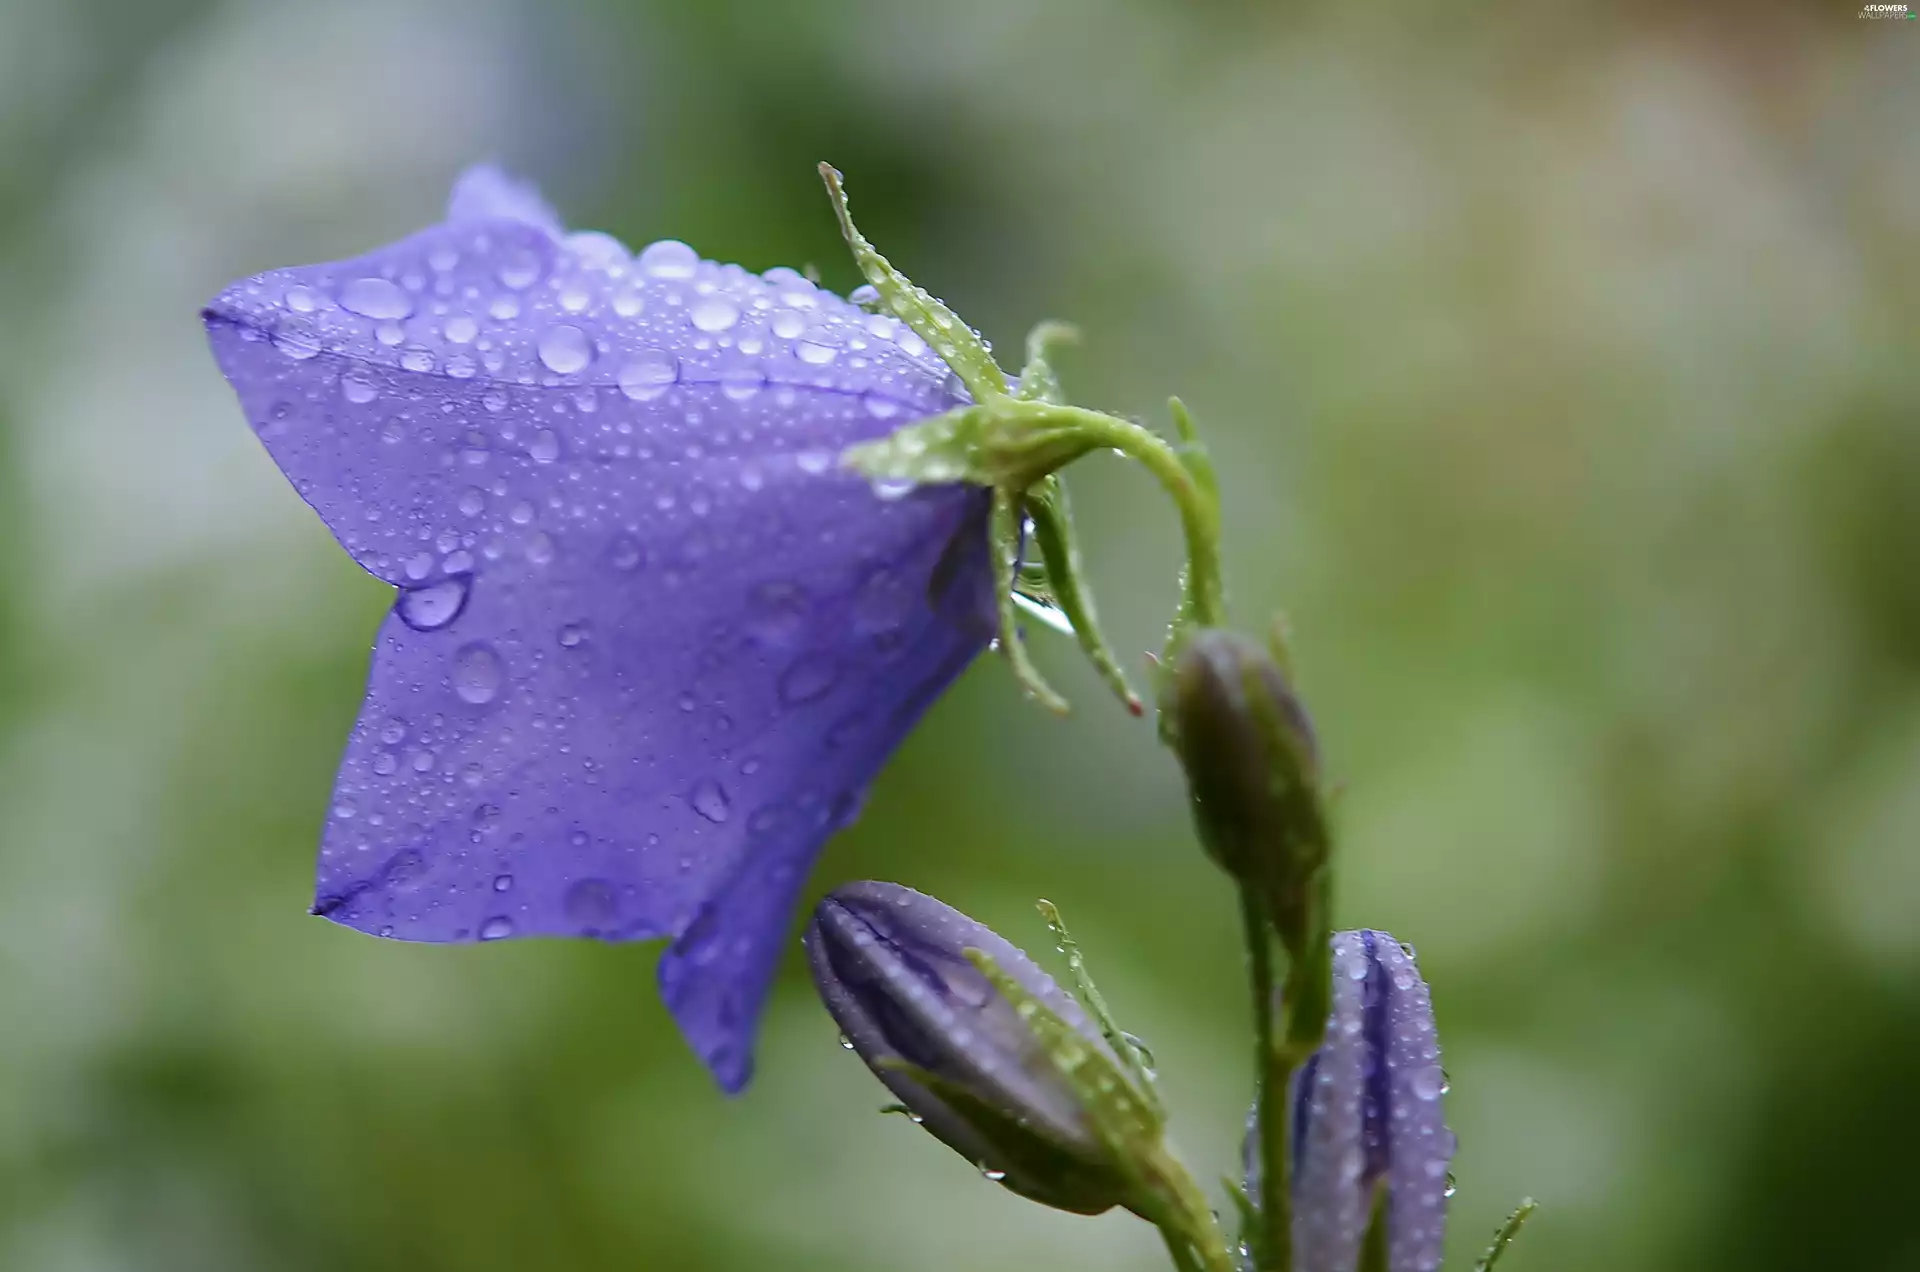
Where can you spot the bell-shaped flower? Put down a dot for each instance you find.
(651, 644)
(893, 968)
(1367, 1117)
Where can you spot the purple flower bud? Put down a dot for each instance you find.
(651, 644)
(891, 966)
(1252, 772)
(1367, 1115)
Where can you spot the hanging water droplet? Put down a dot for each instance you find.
(564, 348)
(376, 298)
(668, 258)
(429, 608)
(709, 799)
(476, 673)
(496, 928)
(846, 1043)
(995, 1175)
(648, 375)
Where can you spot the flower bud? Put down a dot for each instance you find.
(1252, 773)
(1366, 1117)
(891, 965)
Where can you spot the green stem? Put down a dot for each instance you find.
(1179, 1251)
(1188, 1220)
(1273, 1070)
(1199, 513)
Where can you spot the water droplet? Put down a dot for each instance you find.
(344, 809)
(376, 298)
(384, 764)
(518, 269)
(476, 673)
(429, 608)
(714, 313)
(503, 883)
(817, 354)
(357, 390)
(473, 502)
(846, 1043)
(669, 258)
(564, 348)
(300, 300)
(995, 1175)
(592, 903)
(807, 680)
(625, 552)
(629, 304)
(570, 635)
(814, 462)
(540, 548)
(866, 296)
(417, 359)
(295, 344)
(1428, 1083)
(787, 324)
(880, 408)
(545, 446)
(496, 928)
(461, 329)
(709, 799)
(648, 375)
(1451, 1187)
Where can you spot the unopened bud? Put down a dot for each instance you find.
(1368, 1122)
(893, 968)
(1252, 773)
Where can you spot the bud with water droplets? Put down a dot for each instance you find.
(1367, 1121)
(1252, 774)
(900, 973)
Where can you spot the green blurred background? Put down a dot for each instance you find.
(1559, 361)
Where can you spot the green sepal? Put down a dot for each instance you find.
(1504, 1237)
(1124, 1119)
(1023, 1162)
(958, 345)
(1374, 1246)
(1131, 1053)
(1039, 382)
(1253, 1230)
(1053, 533)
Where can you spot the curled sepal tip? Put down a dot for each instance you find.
(1505, 1235)
(958, 345)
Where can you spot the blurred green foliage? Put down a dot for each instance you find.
(1558, 360)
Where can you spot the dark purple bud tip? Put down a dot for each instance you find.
(1367, 1114)
(891, 965)
(1252, 771)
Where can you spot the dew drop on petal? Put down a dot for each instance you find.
(518, 269)
(376, 298)
(807, 680)
(1428, 1083)
(647, 376)
(499, 927)
(545, 446)
(503, 883)
(817, 354)
(625, 553)
(787, 324)
(357, 390)
(540, 548)
(709, 799)
(668, 258)
(564, 349)
(714, 313)
(429, 608)
(298, 345)
(476, 673)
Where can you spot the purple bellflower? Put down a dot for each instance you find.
(1367, 1117)
(651, 644)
